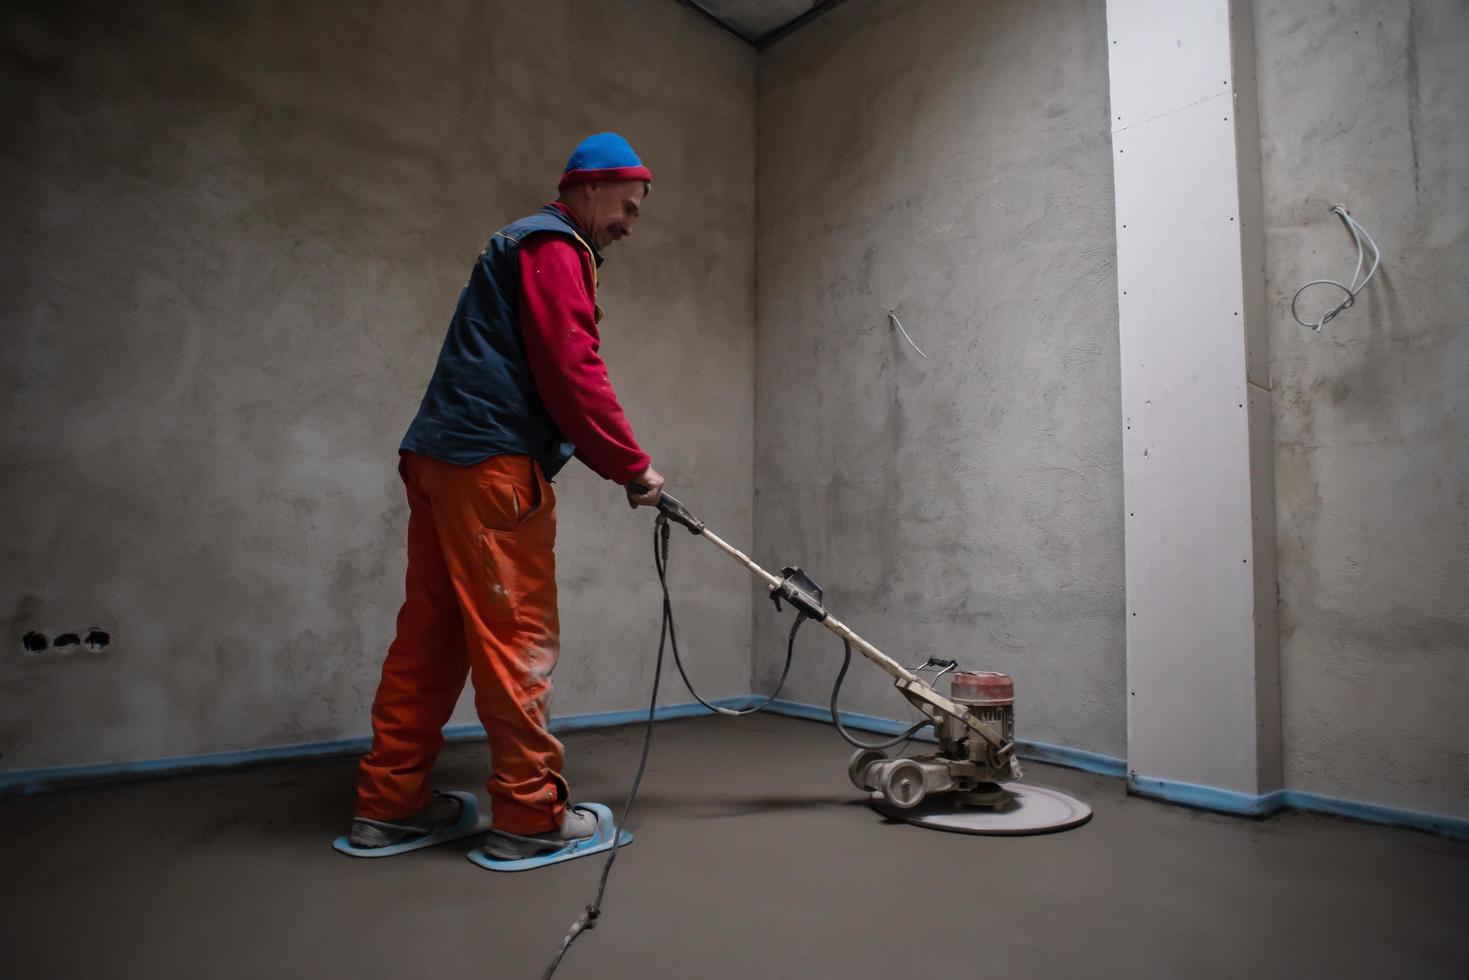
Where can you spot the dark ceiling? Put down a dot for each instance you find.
(761, 22)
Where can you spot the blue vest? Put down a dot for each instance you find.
(482, 401)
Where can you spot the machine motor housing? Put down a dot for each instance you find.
(966, 765)
(991, 697)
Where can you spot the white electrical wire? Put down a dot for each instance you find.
(899, 324)
(1358, 234)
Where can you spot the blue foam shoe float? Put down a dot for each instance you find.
(595, 844)
(469, 823)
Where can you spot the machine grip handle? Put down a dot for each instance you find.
(670, 507)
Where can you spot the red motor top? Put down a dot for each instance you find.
(982, 687)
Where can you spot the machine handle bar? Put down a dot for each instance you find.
(913, 687)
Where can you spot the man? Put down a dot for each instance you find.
(518, 389)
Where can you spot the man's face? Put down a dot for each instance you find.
(614, 208)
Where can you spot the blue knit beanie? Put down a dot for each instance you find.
(602, 158)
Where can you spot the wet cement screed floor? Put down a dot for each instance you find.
(752, 860)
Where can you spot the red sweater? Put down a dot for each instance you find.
(558, 321)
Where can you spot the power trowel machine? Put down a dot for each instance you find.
(971, 783)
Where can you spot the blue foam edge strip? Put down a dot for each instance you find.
(1171, 791)
(26, 782)
(1243, 804)
(1206, 797)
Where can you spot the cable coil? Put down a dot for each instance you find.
(1359, 234)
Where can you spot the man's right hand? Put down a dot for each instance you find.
(645, 489)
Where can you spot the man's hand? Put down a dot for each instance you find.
(645, 489)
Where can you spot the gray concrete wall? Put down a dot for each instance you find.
(1362, 102)
(948, 160)
(234, 235)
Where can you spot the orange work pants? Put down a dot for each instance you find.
(480, 602)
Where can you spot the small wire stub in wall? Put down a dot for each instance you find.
(1359, 281)
(899, 324)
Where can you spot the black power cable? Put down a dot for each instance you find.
(678, 661)
(902, 738)
(588, 918)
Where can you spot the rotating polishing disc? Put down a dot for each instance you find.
(1028, 810)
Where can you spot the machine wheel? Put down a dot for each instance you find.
(903, 784)
(857, 769)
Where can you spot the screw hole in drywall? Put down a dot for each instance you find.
(65, 641)
(97, 639)
(34, 642)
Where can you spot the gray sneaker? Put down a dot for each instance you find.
(576, 825)
(443, 812)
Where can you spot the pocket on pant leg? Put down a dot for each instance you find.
(500, 556)
(507, 492)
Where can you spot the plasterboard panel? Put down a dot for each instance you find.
(1165, 56)
(1187, 479)
(1181, 290)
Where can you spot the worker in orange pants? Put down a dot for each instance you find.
(519, 388)
(481, 602)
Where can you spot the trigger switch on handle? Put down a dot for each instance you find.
(670, 507)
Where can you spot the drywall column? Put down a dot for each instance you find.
(1202, 645)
